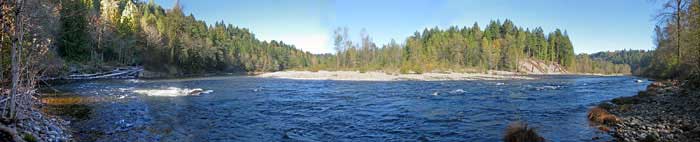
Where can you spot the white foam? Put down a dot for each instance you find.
(548, 87)
(126, 89)
(173, 92)
(458, 91)
(134, 81)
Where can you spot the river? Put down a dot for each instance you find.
(244, 108)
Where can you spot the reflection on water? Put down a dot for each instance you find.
(257, 109)
(67, 104)
(69, 100)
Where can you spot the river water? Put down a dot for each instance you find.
(242, 108)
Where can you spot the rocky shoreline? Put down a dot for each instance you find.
(45, 127)
(37, 126)
(664, 112)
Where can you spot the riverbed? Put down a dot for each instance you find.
(246, 108)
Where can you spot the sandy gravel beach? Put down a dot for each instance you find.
(381, 76)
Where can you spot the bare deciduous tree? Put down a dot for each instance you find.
(672, 11)
(16, 56)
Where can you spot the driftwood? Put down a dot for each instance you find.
(118, 73)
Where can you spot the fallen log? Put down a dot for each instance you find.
(118, 73)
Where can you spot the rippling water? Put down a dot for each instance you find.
(258, 109)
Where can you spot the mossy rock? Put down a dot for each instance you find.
(29, 138)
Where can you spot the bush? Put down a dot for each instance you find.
(363, 69)
(314, 69)
(692, 84)
(626, 100)
(417, 69)
(29, 138)
(520, 132)
(404, 69)
(600, 115)
(606, 105)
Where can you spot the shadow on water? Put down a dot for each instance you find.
(71, 107)
(67, 107)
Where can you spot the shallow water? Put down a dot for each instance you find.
(262, 109)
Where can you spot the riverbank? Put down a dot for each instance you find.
(661, 113)
(383, 76)
(35, 125)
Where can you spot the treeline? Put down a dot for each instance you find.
(27, 34)
(677, 40)
(638, 60)
(127, 32)
(499, 46)
(592, 64)
(93, 34)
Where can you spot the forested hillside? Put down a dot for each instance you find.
(499, 46)
(126, 32)
(638, 60)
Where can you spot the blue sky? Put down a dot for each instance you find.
(593, 25)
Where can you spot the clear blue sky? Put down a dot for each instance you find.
(593, 25)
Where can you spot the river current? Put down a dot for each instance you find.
(243, 108)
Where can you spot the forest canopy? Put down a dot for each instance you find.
(94, 35)
(126, 32)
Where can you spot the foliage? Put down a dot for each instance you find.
(126, 32)
(520, 132)
(500, 46)
(73, 42)
(677, 40)
(636, 59)
(594, 64)
(29, 138)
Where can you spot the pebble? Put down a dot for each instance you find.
(662, 116)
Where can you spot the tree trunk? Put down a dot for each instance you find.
(678, 29)
(16, 57)
(2, 37)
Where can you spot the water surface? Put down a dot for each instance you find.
(244, 108)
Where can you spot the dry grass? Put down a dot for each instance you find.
(520, 132)
(604, 128)
(70, 100)
(600, 115)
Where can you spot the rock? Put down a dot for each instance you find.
(695, 130)
(660, 113)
